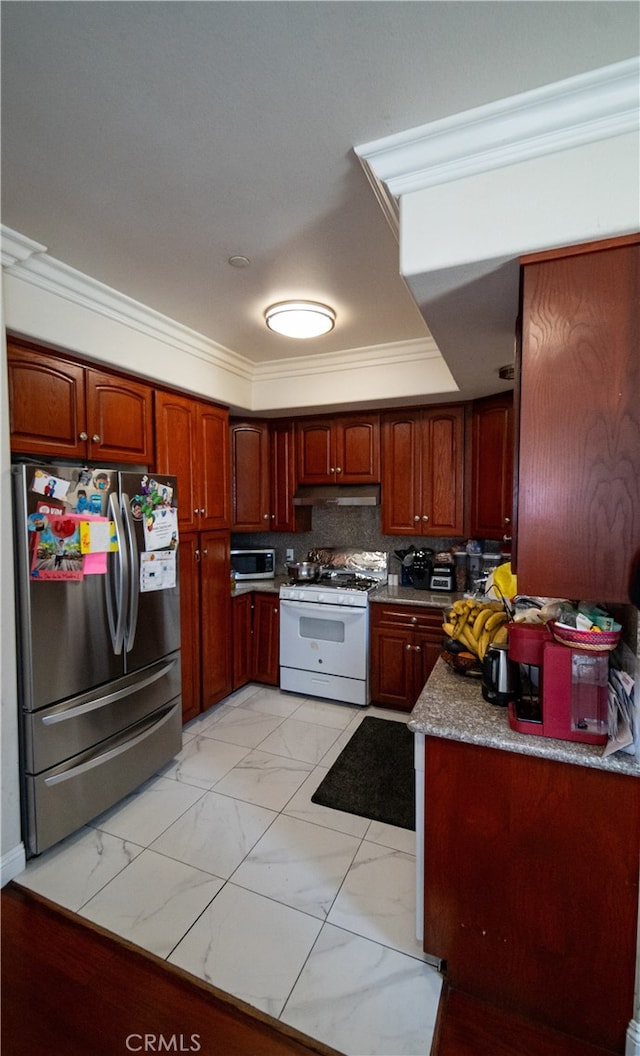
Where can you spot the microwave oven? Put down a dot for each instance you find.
(253, 564)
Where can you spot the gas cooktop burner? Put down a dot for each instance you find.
(338, 581)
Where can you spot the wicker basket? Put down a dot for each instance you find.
(590, 641)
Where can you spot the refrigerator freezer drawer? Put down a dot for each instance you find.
(63, 799)
(54, 734)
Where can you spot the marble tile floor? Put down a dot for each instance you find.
(222, 865)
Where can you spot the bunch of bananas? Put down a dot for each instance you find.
(475, 624)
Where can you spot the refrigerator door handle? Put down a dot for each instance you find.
(117, 618)
(112, 753)
(109, 698)
(134, 578)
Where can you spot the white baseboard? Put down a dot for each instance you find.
(12, 864)
(632, 1047)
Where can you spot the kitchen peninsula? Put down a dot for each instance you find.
(527, 860)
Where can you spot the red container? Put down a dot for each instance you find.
(526, 642)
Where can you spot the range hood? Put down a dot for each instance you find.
(337, 495)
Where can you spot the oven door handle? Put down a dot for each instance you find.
(320, 608)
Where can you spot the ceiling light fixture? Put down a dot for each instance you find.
(301, 319)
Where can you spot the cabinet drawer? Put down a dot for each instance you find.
(412, 617)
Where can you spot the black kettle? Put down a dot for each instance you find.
(500, 676)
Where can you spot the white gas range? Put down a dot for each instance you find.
(324, 626)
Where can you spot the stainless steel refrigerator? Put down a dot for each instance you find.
(98, 640)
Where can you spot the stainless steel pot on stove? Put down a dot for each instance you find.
(303, 571)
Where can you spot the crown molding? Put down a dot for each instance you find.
(584, 109)
(29, 261)
(400, 353)
(17, 248)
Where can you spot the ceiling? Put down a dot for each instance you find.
(144, 144)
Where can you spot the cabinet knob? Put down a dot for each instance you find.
(197, 555)
(414, 619)
(418, 649)
(506, 538)
(425, 517)
(203, 510)
(276, 611)
(332, 469)
(83, 436)
(507, 520)
(95, 438)
(417, 517)
(408, 648)
(205, 552)
(265, 516)
(338, 469)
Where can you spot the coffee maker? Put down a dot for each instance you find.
(563, 691)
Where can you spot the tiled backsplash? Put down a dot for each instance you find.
(347, 526)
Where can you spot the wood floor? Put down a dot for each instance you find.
(69, 988)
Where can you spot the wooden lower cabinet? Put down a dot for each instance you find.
(256, 639)
(205, 613)
(405, 642)
(531, 886)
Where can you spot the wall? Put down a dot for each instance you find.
(12, 855)
(357, 526)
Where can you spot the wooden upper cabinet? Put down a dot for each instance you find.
(578, 529)
(339, 450)
(423, 472)
(492, 472)
(59, 408)
(120, 419)
(212, 451)
(250, 476)
(285, 517)
(192, 443)
(263, 475)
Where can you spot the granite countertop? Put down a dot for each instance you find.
(410, 596)
(399, 595)
(452, 706)
(263, 586)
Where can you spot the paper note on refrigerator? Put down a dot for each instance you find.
(98, 536)
(157, 570)
(161, 528)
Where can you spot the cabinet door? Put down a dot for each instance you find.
(442, 506)
(212, 453)
(427, 649)
(215, 617)
(316, 459)
(266, 638)
(176, 446)
(47, 404)
(405, 644)
(579, 486)
(189, 560)
(285, 517)
(515, 848)
(492, 473)
(250, 477)
(357, 449)
(241, 611)
(119, 419)
(391, 670)
(400, 500)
